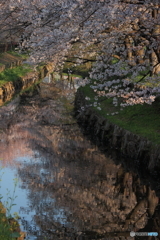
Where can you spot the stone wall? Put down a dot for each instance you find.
(10, 88)
(10, 65)
(136, 153)
(9, 61)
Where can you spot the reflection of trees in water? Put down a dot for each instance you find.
(74, 186)
(11, 147)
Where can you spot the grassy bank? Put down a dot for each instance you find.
(10, 75)
(24, 56)
(71, 75)
(143, 120)
(80, 70)
(81, 64)
(13, 68)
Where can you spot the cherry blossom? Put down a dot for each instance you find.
(127, 33)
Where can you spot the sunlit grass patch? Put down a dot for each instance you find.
(13, 74)
(72, 75)
(24, 56)
(81, 69)
(143, 120)
(80, 65)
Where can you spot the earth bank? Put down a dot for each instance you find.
(137, 153)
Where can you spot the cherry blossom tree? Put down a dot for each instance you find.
(126, 29)
(136, 43)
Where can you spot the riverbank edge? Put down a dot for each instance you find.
(8, 60)
(9, 89)
(11, 223)
(134, 152)
(7, 92)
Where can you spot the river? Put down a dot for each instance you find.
(65, 187)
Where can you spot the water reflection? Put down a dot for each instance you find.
(67, 188)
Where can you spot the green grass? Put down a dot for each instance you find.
(81, 70)
(72, 75)
(6, 230)
(142, 77)
(24, 56)
(143, 120)
(41, 65)
(13, 74)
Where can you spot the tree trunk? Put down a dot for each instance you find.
(128, 43)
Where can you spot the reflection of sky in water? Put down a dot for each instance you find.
(59, 216)
(20, 197)
(8, 185)
(22, 205)
(28, 159)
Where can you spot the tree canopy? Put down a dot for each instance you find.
(127, 29)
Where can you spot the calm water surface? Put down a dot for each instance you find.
(66, 188)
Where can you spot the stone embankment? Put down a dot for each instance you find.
(9, 61)
(136, 153)
(7, 91)
(10, 88)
